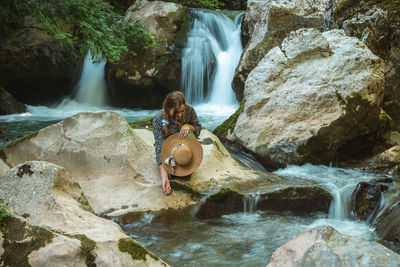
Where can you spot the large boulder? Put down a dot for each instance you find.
(9, 105)
(327, 247)
(105, 156)
(144, 79)
(316, 98)
(267, 23)
(378, 27)
(36, 69)
(60, 228)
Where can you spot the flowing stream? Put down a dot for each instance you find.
(243, 239)
(250, 237)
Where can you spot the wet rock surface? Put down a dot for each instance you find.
(299, 200)
(8, 104)
(365, 200)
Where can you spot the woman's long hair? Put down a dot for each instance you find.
(173, 101)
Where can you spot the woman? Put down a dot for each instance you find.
(176, 117)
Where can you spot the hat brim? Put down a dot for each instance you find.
(195, 147)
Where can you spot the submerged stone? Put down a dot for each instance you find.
(365, 200)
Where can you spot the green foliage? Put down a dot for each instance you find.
(4, 212)
(210, 4)
(80, 25)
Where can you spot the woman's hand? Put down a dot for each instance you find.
(184, 131)
(164, 180)
(166, 186)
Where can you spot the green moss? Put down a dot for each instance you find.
(207, 141)
(195, 195)
(136, 251)
(222, 196)
(181, 35)
(84, 203)
(87, 246)
(3, 156)
(143, 124)
(349, 136)
(13, 143)
(228, 125)
(20, 240)
(389, 5)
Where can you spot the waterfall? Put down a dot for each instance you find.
(328, 22)
(341, 205)
(91, 88)
(250, 202)
(210, 58)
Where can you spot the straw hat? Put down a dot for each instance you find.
(181, 157)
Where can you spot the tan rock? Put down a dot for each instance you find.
(268, 23)
(3, 166)
(105, 156)
(386, 159)
(327, 247)
(217, 169)
(62, 251)
(47, 196)
(310, 96)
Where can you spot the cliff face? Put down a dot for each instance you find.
(376, 23)
(34, 68)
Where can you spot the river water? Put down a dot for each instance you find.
(242, 239)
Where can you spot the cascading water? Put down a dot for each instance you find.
(210, 58)
(250, 202)
(91, 88)
(340, 183)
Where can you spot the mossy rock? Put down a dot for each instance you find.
(352, 136)
(365, 200)
(297, 200)
(180, 186)
(133, 248)
(226, 201)
(143, 124)
(389, 5)
(20, 240)
(13, 143)
(228, 125)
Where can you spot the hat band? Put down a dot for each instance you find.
(170, 160)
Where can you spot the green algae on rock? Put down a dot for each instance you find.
(228, 125)
(20, 239)
(143, 124)
(136, 251)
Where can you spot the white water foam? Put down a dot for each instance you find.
(340, 183)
